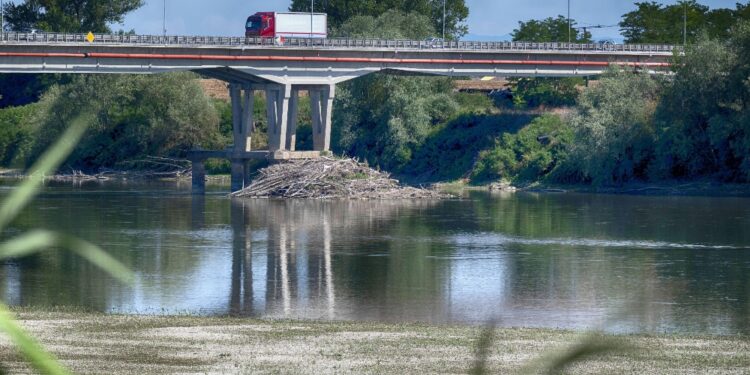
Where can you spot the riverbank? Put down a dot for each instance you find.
(92, 343)
(697, 188)
(705, 188)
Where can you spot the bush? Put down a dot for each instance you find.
(527, 155)
(545, 92)
(16, 135)
(614, 132)
(451, 150)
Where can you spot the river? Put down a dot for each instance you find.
(617, 263)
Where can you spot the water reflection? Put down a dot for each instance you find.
(573, 261)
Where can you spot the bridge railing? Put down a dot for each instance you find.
(15, 37)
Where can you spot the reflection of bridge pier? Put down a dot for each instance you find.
(241, 298)
(298, 259)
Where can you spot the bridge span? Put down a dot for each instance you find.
(282, 70)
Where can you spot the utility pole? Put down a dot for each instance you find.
(164, 19)
(569, 25)
(684, 26)
(312, 17)
(444, 21)
(2, 17)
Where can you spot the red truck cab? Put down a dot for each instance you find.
(260, 24)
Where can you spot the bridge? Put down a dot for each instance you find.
(282, 70)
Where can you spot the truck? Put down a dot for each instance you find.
(287, 25)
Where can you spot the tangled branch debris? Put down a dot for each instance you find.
(147, 168)
(327, 178)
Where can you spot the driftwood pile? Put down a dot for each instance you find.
(327, 178)
(151, 167)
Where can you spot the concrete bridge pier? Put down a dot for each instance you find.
(243, 125)
(321, 102)
(282, 109)
(282, 103)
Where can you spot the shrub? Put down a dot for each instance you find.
(16, 135)
(527, 155)
(614, 132)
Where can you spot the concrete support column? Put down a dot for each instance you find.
(248, 122)
(277, 99)
(321, 101)
(291, 133)
(242, 130)
(235, 95)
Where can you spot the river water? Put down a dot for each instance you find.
(617, 263)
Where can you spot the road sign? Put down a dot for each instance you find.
(90, 37)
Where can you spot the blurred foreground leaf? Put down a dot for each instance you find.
(588, 347)
(37, 357)
(39, 240)
(46, 165)
(484, 346)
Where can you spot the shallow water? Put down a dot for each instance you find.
(620, 263)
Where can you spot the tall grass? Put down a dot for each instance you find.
(38, 240)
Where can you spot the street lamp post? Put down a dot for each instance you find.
(312, 17)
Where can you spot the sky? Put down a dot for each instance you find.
(488, 19)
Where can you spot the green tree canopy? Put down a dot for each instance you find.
(613, 130)
(389, 25)
(384, 118)
(535, 92)
(135, 116)
(341, 11)
(68, 15)
(549, 30)
(653, 22)
(704, 118)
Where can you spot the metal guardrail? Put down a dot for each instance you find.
(127, 39)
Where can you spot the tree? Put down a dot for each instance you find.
(134, 116)
(652, 22)
(58, 16)
(72, 16)
(613, 128)
(389, 25)
(384, 118)
(549, 30)
(341, 11)
(704, 119)
(535, 92)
